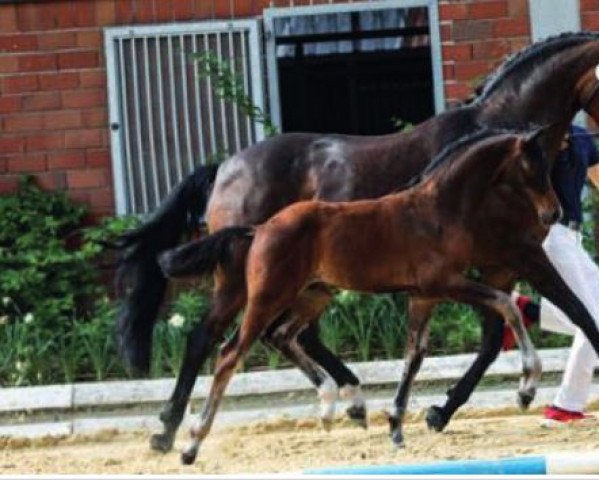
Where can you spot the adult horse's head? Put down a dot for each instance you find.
(546, 83)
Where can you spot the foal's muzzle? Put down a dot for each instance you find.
(550, 216)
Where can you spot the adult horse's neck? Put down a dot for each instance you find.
(540, 86)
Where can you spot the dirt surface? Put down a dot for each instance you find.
(293, 445)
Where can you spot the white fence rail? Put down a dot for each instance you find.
(72, 397)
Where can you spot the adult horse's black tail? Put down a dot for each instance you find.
(138, 268)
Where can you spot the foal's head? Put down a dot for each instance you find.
(526, 170)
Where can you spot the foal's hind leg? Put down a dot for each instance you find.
(418, 321)
(229, 357)
(492, 335)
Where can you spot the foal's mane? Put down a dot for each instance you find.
(529, 57)
(448, 153)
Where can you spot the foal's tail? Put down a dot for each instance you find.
(138, 266)
(201, 257)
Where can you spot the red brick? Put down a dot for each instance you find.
(105, 12)
(28, 17)
(84, 98)
(453, 11)
(472, 29)
(95, 118)
(41, 101)
(494, 9)
(3, 165)
(471, 70)
(243, 8)
(83, 138)
(12, 145)
(62, 119)
(22, 123)
(163, 11)
(223, 9)
(125, 11)
(78, 59)
(89, 178)
(590, 20)
(457, 91)
(51, 180)
(185, 9)
(490, 49)
(85, 14)
(511, 27)
(92, 78)
(9, 184)
(58, 81)
(27, 163)
(517, 44)
(10, 104)
(37, 63)
(448, 71)
(8, 18)
(446, 32)
(9, 64)
(56, 40)
(78, 196)
(19, 84)
(589, 5)
(18, 43)
(48, 141)
(89, 39)
(98, 158)
(145, 10)
(65, 12)
(66, 160)
(458, 51)
(517, 8)
(101, 198)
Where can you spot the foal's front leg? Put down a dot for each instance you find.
(419, 312)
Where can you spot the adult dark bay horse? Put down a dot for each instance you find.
(544, 84)
(426, 238)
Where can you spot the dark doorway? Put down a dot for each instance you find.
(359, 77)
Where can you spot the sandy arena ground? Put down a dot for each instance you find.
(292, 445)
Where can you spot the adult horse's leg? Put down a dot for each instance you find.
(543, 276)
(228, 300)
(492, 335)
(313, 358)
(419, 312)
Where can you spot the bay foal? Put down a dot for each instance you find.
(421, 240)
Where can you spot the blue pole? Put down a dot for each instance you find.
(505, 466)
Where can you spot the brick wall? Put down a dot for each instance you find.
(476, 36)
(53, 109)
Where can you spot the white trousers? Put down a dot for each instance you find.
(565, 251)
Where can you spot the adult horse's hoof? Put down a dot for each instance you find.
(525, 398)
(357, 413)
(435, 419)
(188, 456)
(161, 442)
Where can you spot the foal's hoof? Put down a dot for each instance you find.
(358, 415)
(525, 398)
(435, 419)
(327, 423)
(161, 442)
(397, 438)
(189, 456)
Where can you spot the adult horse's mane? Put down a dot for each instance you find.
(529, 55)
(449, 150)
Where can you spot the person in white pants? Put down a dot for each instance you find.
(578, 161)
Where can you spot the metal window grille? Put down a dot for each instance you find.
(165, 119)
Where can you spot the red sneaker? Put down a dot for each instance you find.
(557, 417)
(509, 340)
